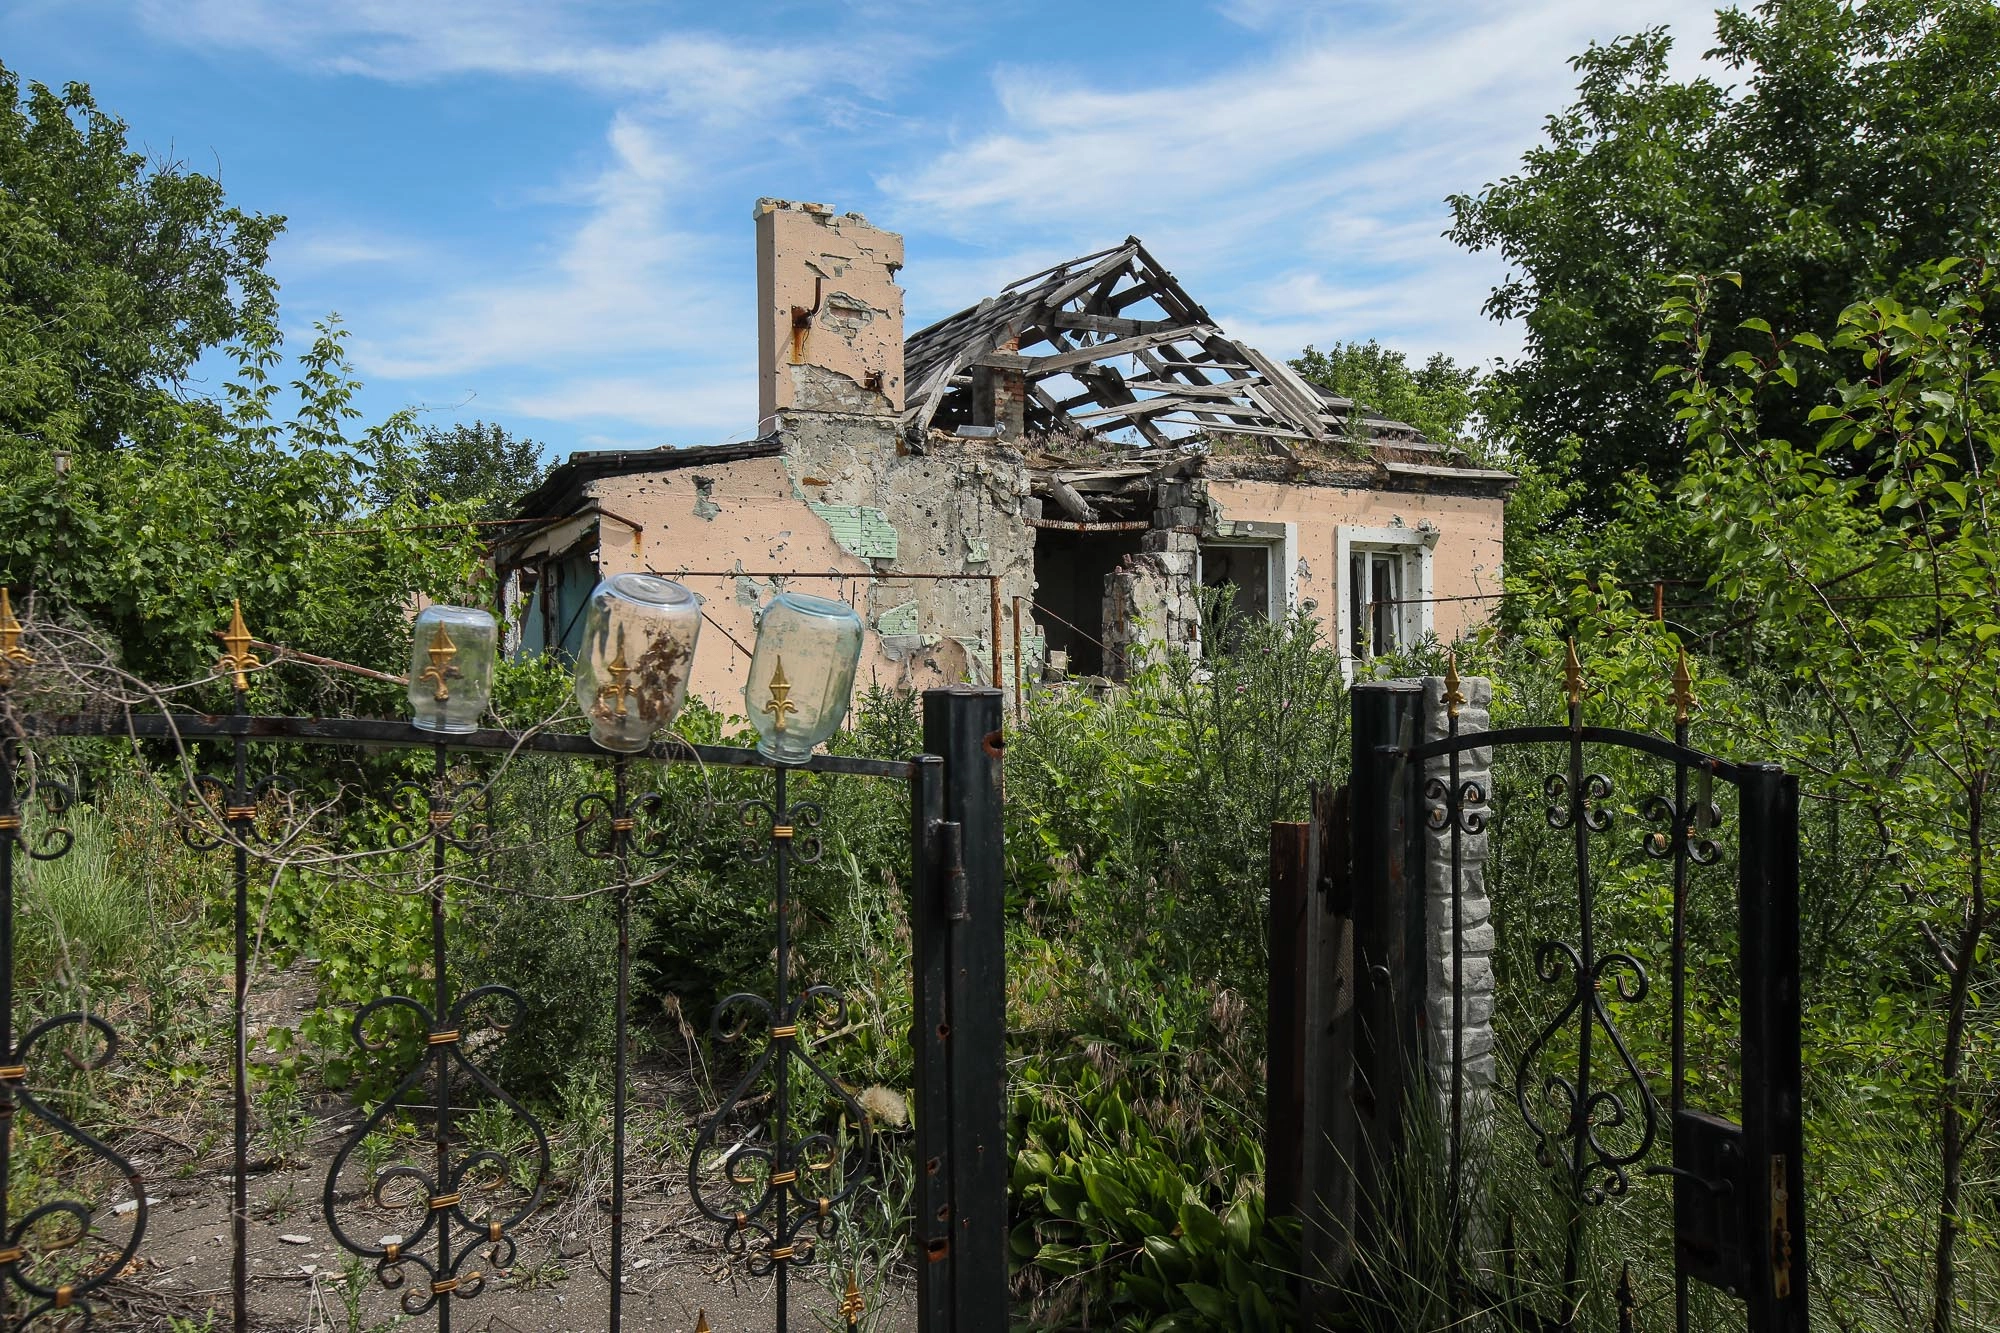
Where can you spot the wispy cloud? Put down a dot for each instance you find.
(626, 279)
(319, 248)
(695, 406)
(684, 70)
(1334, 145)
(1073, 149)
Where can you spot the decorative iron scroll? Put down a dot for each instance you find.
(1583, 1111)
(450, 1224)
(1686, 825)
(28, 1243)
(1598, 1169)
(452, 1227)
(1443, 809)
(777, 1190)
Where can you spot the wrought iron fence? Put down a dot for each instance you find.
(1572, 1090)
(768, 1178)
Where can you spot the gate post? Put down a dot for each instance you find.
(1327, 1151)
(1390, 950)
(1773, 1124)
(1286, 926)
(961, 1002)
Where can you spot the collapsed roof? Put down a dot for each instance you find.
(1112, 347)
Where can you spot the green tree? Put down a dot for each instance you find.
(1438, 398)
(477, 464)
(1873, 550)
(222, 501)
(1861, 142)
(115, 274)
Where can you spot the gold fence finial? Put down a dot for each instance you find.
(851, 1304)
(619, 692)
(1572, 676)
(1454, 697)
(12, 654)
(440, 672)
(1684, 702)
(237, 658)
(701, 1322)
(781, 697)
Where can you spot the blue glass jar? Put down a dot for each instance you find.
(451, 667)
(639, 637)
(801, 674)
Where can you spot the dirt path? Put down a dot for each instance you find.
(300, 1279)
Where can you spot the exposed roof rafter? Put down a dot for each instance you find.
(1098, 360)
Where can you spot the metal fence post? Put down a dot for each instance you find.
(1389, 944)
(935, 855)
(1285, 1015)
(1326, 1127)
(1773, 1125)
(962, 725)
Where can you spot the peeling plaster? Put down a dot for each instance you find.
(860, 529)
(705, 506)
(898, 620)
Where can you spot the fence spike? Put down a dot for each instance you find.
(851, 1304)
(237, 658)
(1684, 702)
(1573, 676)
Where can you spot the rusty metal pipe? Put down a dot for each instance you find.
(993, 589)
(1017, 660)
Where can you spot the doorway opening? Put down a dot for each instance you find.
(1070, 570)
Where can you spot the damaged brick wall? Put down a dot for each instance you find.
(832, 345)
(951, 510)
(1149, 600)
(830, 315)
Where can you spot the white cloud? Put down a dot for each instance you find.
(698, 74)
(1335, 146)
(1072, 150)
(627, 280)
(1297, 190)
(319, 248)
(1256, 15)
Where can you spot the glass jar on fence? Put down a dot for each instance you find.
(451, 667)
(801, 673)
(638, 651)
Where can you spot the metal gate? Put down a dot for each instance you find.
(766, 1180)
(1603, 1125)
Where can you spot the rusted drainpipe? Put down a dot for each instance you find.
(993, 588)
(1017, 660)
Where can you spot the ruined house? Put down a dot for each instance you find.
(1059, 467)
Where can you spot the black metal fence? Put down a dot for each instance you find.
(769, 1181)
(1405, 1122)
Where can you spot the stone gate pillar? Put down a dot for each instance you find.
(1475, 909)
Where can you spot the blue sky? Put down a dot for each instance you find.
(540, 213)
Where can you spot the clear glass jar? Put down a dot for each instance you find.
(801, 673)
(638, 652)
(451, 667)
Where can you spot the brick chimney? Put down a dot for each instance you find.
(829, 313)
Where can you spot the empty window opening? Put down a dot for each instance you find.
(1070, 573)
(1375, 611)
(1246, 571)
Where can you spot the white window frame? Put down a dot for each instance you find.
(1413, 547)
(1280, 544)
